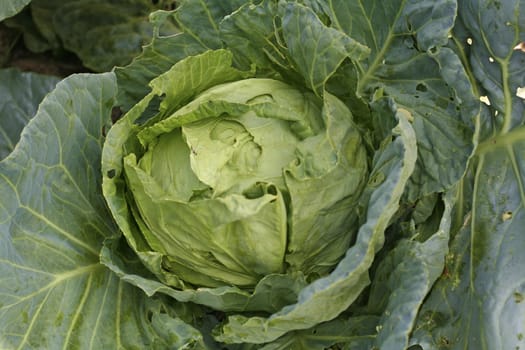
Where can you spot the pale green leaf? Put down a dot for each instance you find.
(192, 75)
(326, 182)
(327, 297)
(211, 242)
(157, 57)
(11, 8)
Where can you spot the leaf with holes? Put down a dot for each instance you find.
(55, 293)
(426, 80)
(478, 301)
(285, 174)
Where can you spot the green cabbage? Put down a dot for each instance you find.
(230, 187)
(284, 175)
(246, 194)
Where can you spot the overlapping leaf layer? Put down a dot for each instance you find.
(434, 255)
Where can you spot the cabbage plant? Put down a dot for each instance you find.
(283, 175)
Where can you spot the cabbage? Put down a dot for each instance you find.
(284, 175)
(230, 187)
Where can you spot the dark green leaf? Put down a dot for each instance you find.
(352, 333)
(200, 19)
(253, 42)
(495, 31)
(8, 40)
(32, 37)
(478, 301)
(315, 49)
(42, 13)
(21, 93)
(105, 34)
(402, 281)
(196, 18)
(427, 82)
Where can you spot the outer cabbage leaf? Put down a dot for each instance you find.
(478, 301)
(32, 37)
(11, 8)
(199, 21)
(53, 219)
(8, 43)
(302, 48)
(253, 42)
(253, 33)
(493, 33)
(316, 50)
(403, 279)
(21, 93)
(409, 64)
(41, 14)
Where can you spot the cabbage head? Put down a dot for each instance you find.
(242, 180)
(249, 196)
(248, 179)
